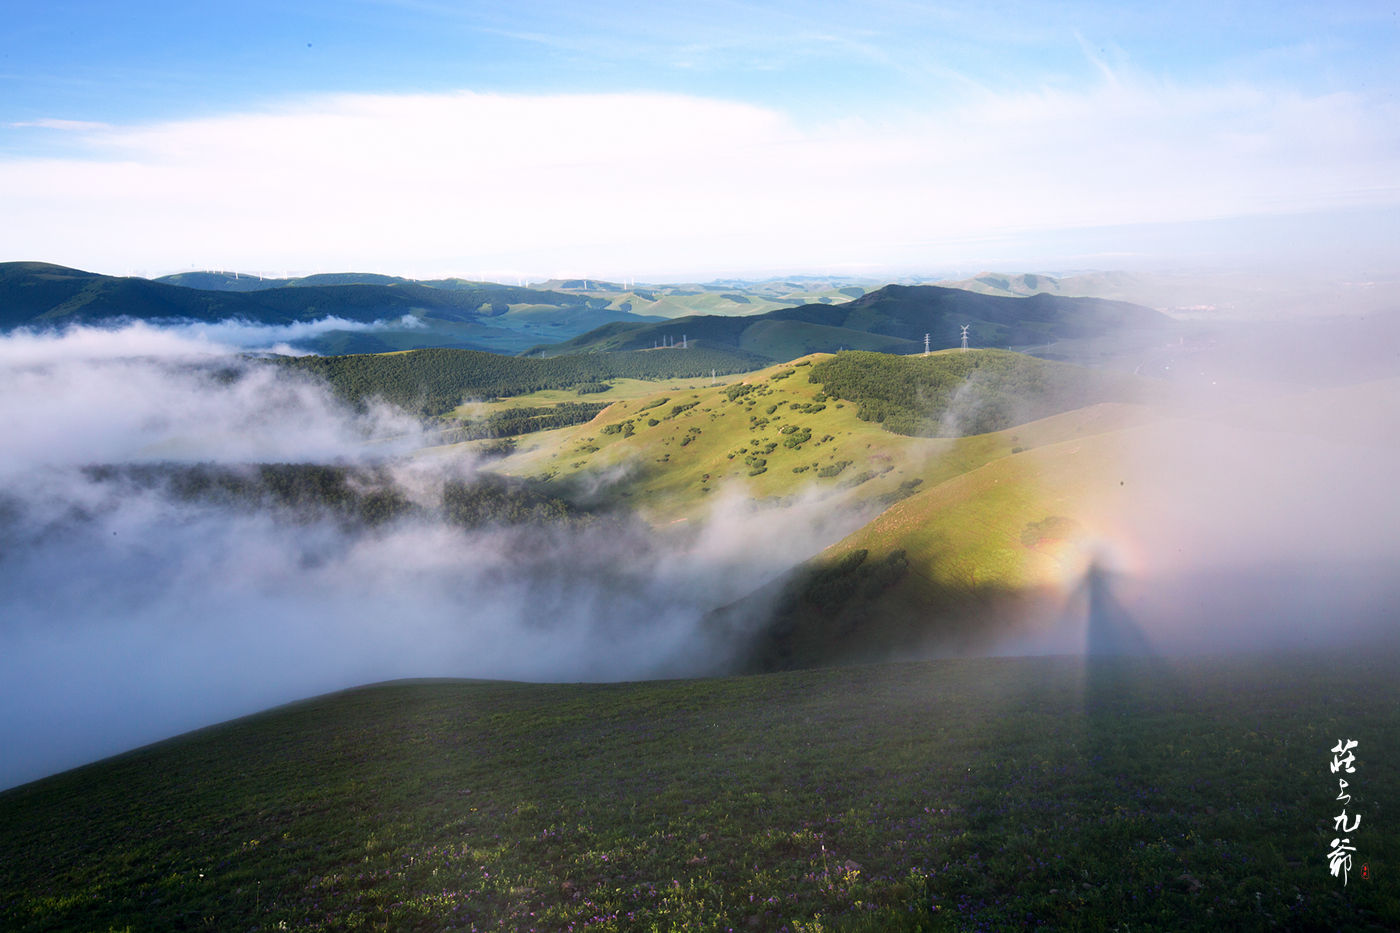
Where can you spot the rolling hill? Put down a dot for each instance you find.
(892, 319)
(787, 431)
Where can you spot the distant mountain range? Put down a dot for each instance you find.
(729, 297)
(236, 282)
(452, 313)
(389, 313)
(893, 319)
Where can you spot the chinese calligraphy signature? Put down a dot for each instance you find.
(1343, 762)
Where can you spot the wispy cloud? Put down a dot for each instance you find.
(75, 126)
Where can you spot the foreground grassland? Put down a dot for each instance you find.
(971, 794)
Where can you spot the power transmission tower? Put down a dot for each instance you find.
(926, 336)
(964, 335)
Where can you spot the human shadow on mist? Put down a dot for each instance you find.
(1125, 680)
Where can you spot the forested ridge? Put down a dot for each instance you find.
(354, 495)
(434, 381)
(958, 393)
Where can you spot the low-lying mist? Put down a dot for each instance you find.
(155, 578)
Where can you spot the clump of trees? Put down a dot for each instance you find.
(526, 420)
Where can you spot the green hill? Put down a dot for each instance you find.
(892, 319)
(941, 562)
(997, 793)
(789, 427)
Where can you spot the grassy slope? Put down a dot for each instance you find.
(971, 577)
(955, 794)
(670, 476)
(1063, 464)
(673, 478)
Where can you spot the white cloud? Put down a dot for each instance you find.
(50, 123)
(637, 183)
(92, 395)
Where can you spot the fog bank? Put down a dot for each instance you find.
(130, 611)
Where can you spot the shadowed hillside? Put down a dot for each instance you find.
(992, 793)
(408, 315)
(44, 294)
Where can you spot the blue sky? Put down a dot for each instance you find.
(685, 140)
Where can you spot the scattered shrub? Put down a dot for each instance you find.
(738, 390)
